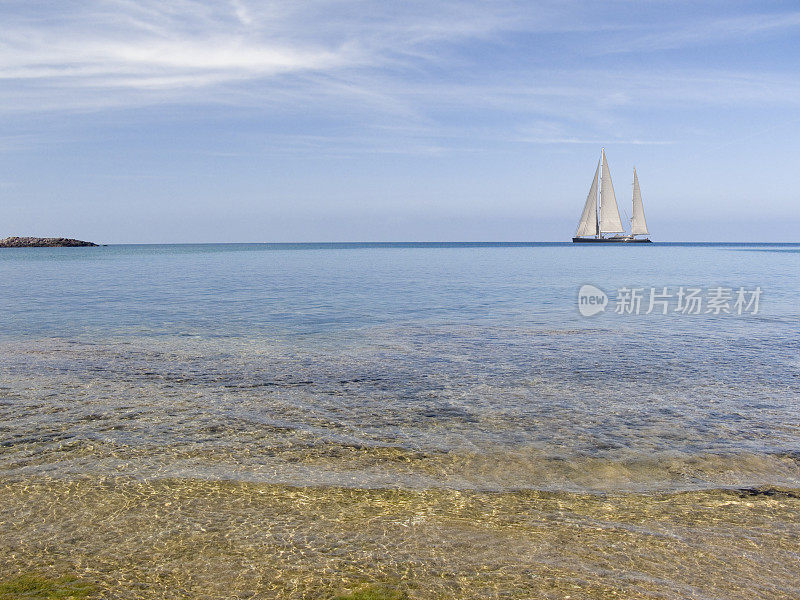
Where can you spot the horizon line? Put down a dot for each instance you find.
(432, 243)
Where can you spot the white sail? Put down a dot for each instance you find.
(588, 222)
(609, 212)
(638, 224)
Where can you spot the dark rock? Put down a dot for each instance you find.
(768, 491)
(37, 242)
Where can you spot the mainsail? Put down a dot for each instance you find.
(588, 222)
(609, 213)
(638, 224)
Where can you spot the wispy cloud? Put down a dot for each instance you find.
(706, 32)
(143, 49)
(186, 43)
(417, 63)
(183, 45)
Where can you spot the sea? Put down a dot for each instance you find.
(450, 420)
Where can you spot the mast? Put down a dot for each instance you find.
(600, 199)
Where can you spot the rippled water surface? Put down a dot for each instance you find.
(453, 395)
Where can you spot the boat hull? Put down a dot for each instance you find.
(611, 240)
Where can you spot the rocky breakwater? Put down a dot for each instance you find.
(38, 242)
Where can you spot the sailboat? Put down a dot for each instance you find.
(601, 213)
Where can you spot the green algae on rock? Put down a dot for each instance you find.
(38, 587)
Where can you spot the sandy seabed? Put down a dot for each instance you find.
(190, 538)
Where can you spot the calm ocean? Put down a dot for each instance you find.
(291, 422)
(464, 366)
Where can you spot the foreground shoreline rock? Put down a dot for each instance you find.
(39, 242)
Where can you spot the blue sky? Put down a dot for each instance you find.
(330, 120)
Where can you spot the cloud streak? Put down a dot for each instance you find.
(415, 64)
(708, 32)
(104, 43)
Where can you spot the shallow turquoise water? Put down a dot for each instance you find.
(463, 366)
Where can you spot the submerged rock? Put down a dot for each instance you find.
(38, 242)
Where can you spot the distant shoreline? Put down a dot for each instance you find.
(40, 242)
